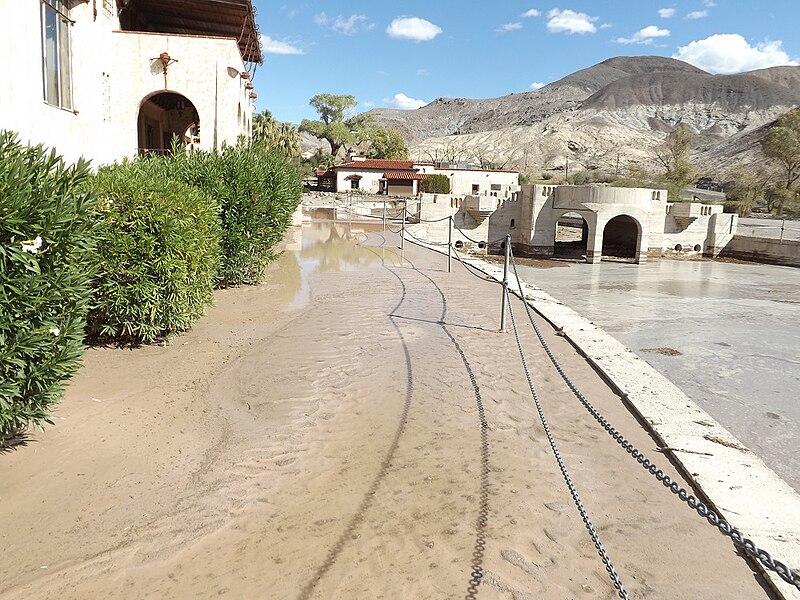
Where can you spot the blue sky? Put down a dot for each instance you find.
(401, 55)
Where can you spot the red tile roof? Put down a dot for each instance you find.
(405, 175)
(375, 164)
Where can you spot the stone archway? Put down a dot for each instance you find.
(621, 238)
(165, 115)
(571, 236)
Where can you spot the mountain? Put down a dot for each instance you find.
(614, 111)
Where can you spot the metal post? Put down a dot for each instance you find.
(403, 231)
(384, 216)
(450, 244)
(783, 226)
(505, 282)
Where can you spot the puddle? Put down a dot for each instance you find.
(328, 247)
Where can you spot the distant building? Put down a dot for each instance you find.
(403, 177)
(108, 79)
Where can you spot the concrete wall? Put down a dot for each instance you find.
(112, 73)
(765, 250)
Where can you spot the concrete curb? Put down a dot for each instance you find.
(741, 487)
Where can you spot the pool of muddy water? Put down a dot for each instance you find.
(727, 334)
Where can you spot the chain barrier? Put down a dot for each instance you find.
(701, 508)
(554, 447)
(490, 243)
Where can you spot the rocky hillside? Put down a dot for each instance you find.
(613, 111)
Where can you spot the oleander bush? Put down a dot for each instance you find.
(46, 258)
(257, 192)
(158, 253)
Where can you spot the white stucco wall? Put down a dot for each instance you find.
(368, 182)
(111, 74)
(462, 180)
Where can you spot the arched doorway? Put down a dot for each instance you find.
(571, 236)
(163, 116)
(621, 237)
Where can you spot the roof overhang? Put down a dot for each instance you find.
(218, 18)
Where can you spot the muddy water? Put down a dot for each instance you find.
(727, 334)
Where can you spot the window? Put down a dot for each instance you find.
(475, 189)
(496, 187)
(56, 53)
(354, 184)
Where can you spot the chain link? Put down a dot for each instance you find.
(572, 490)
(704, 511)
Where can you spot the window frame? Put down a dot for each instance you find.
(64, 99)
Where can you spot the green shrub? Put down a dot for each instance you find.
(158, 247)
(257, 192)
(45, 269)
(436, 184)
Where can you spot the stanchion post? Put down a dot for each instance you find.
(783, 226)
(403, 231)
(450, 244)
(384, 216)
(505, 282)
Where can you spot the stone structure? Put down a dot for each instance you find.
(108, 79)
(580, 221)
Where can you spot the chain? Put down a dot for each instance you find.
(702, 509)
(574, 492)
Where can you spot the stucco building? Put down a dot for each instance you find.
(403, 177)
(108, 79)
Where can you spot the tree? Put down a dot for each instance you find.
(387, 144)
(271, 133)
(749, 185)
(673, 156)
(334, 126)
(782, 144)
(436, 184)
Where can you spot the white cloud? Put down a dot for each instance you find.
(345, 25)
(531, 13)
(505, 27)
(606, 26)
(367, 104)
(403, 102)
(731, 53)
(644, 36)
(666, 13)
(697, 14)
(421, 72)
(352, 24)
(413, 28)
(271, 46)
(570, 21)
(537, 84)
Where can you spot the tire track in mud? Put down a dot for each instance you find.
(476, 566)
(369, 498)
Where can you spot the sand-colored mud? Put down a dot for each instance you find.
(319, 436)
